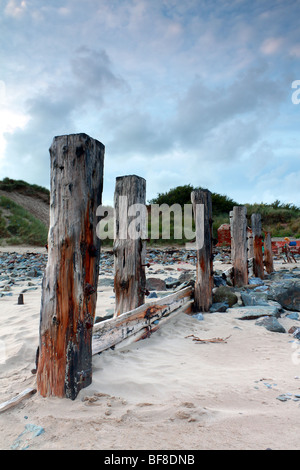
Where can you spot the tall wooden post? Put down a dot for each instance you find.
(250, 244)
(204, 268)
(130, 243)
(268, 254)
(239, 250)
(69, 290)
(258, 266)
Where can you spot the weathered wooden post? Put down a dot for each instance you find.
(268, 254)
(69, 290)
(239, 253)
(130, 243)
(250, 244)
(204, 267)
(258, 266)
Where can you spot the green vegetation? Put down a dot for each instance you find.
(279, 219)
(221, 204)
(17, 226)
(22, 187)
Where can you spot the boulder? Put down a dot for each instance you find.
(254, 311)
(224, 294)
(257, 298)
(154, 283)
(287, 293)
(271, 324)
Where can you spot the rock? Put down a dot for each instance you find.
(255, 281)
(154, 283)
(254, 311)
(287, 293)
(152, 295)
(271, 324)
(254, 298)
(186, 276)
(293, 316)
(198, 316)
(219, 281)
(172, 282)
(219, 307)
(224, 294)
(106, 281)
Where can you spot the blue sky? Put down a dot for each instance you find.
(180, 92)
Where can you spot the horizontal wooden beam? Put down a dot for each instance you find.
(140, 322)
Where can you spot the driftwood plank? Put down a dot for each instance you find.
(137, 322)
(17, 399)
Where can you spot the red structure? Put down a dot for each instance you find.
(224, 235)
(224, 239)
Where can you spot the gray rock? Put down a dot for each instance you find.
(287, 293)
(293, 316)
(172, 282)
(256, 298)
(154, 283)
(254, 311)
(106, 281)
(271, 324)
(219, 307)
(198, 316)
(255, 281)
(152, 295)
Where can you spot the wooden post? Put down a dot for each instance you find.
(258, 266)
(268, 253)
(250, 244)
(130, 244)
(204, 267)
(239, 246)
(69, 289)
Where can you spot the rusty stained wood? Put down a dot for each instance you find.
(204, 268)
(258, 265)
(268, 254)
(130, 243)
(239, 251)
(140, 322)
(69, 289)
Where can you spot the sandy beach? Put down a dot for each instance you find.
(163, 393)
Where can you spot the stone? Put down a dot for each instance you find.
(255, 281)
(172, 282)
(219, 281)
(254, 311)
(224, 294)
(198, 316)
(271, 324)
(152, 295)
(254, 299)
(154, 283)
(293, 316)
(287, 293)
(219, 307)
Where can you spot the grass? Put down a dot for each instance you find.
(18, 226)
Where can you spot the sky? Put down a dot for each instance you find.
(199, 92)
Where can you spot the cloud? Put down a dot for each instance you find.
(52, 111)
